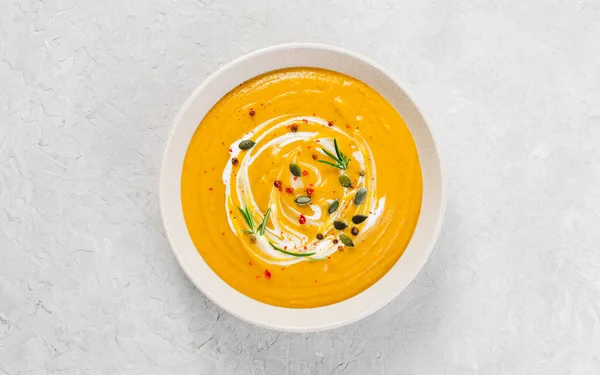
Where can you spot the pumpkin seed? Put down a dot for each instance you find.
(360, 196)
(357, 219)
(333, 206)
(295, 169)
(303, 200)
(346, 240)
(345, 181)
(340, 225)
(246, 144)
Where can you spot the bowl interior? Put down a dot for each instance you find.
(320, 318)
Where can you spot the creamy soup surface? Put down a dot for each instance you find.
(301, 187)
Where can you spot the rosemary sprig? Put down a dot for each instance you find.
(250, 221)
(263, 225)
(289, 253)
(341, 161)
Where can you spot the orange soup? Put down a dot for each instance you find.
(301, 187)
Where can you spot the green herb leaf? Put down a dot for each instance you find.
(337, 150)
(293, 254)
(328, 163)
(247, 217)
(329, 154)
(250, 218)
(341, 161)
(346, 240)
(263, 225)
(333, 206)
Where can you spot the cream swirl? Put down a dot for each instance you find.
(277, 146)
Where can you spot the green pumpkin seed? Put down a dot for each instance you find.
(345, 181)
(357, 219)
(360, 196)
(340, 225)
(295, 169)
(246, 144)
(303, 200)
(346, 240)
(333, 206)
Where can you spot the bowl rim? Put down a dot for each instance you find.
(276, 322)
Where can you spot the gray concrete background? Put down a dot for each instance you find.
(88, 90)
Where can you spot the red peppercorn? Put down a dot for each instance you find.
(335, 241)
(277, 183)
(252, 112)
(315, 156)
(294, 127)
(289, 190)
(234, 161)
(330, 123)
(310, 190)
(267, 274)
(302, 219)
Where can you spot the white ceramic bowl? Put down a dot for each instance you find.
(320, 318)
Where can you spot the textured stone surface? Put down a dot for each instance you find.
(88, 90)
